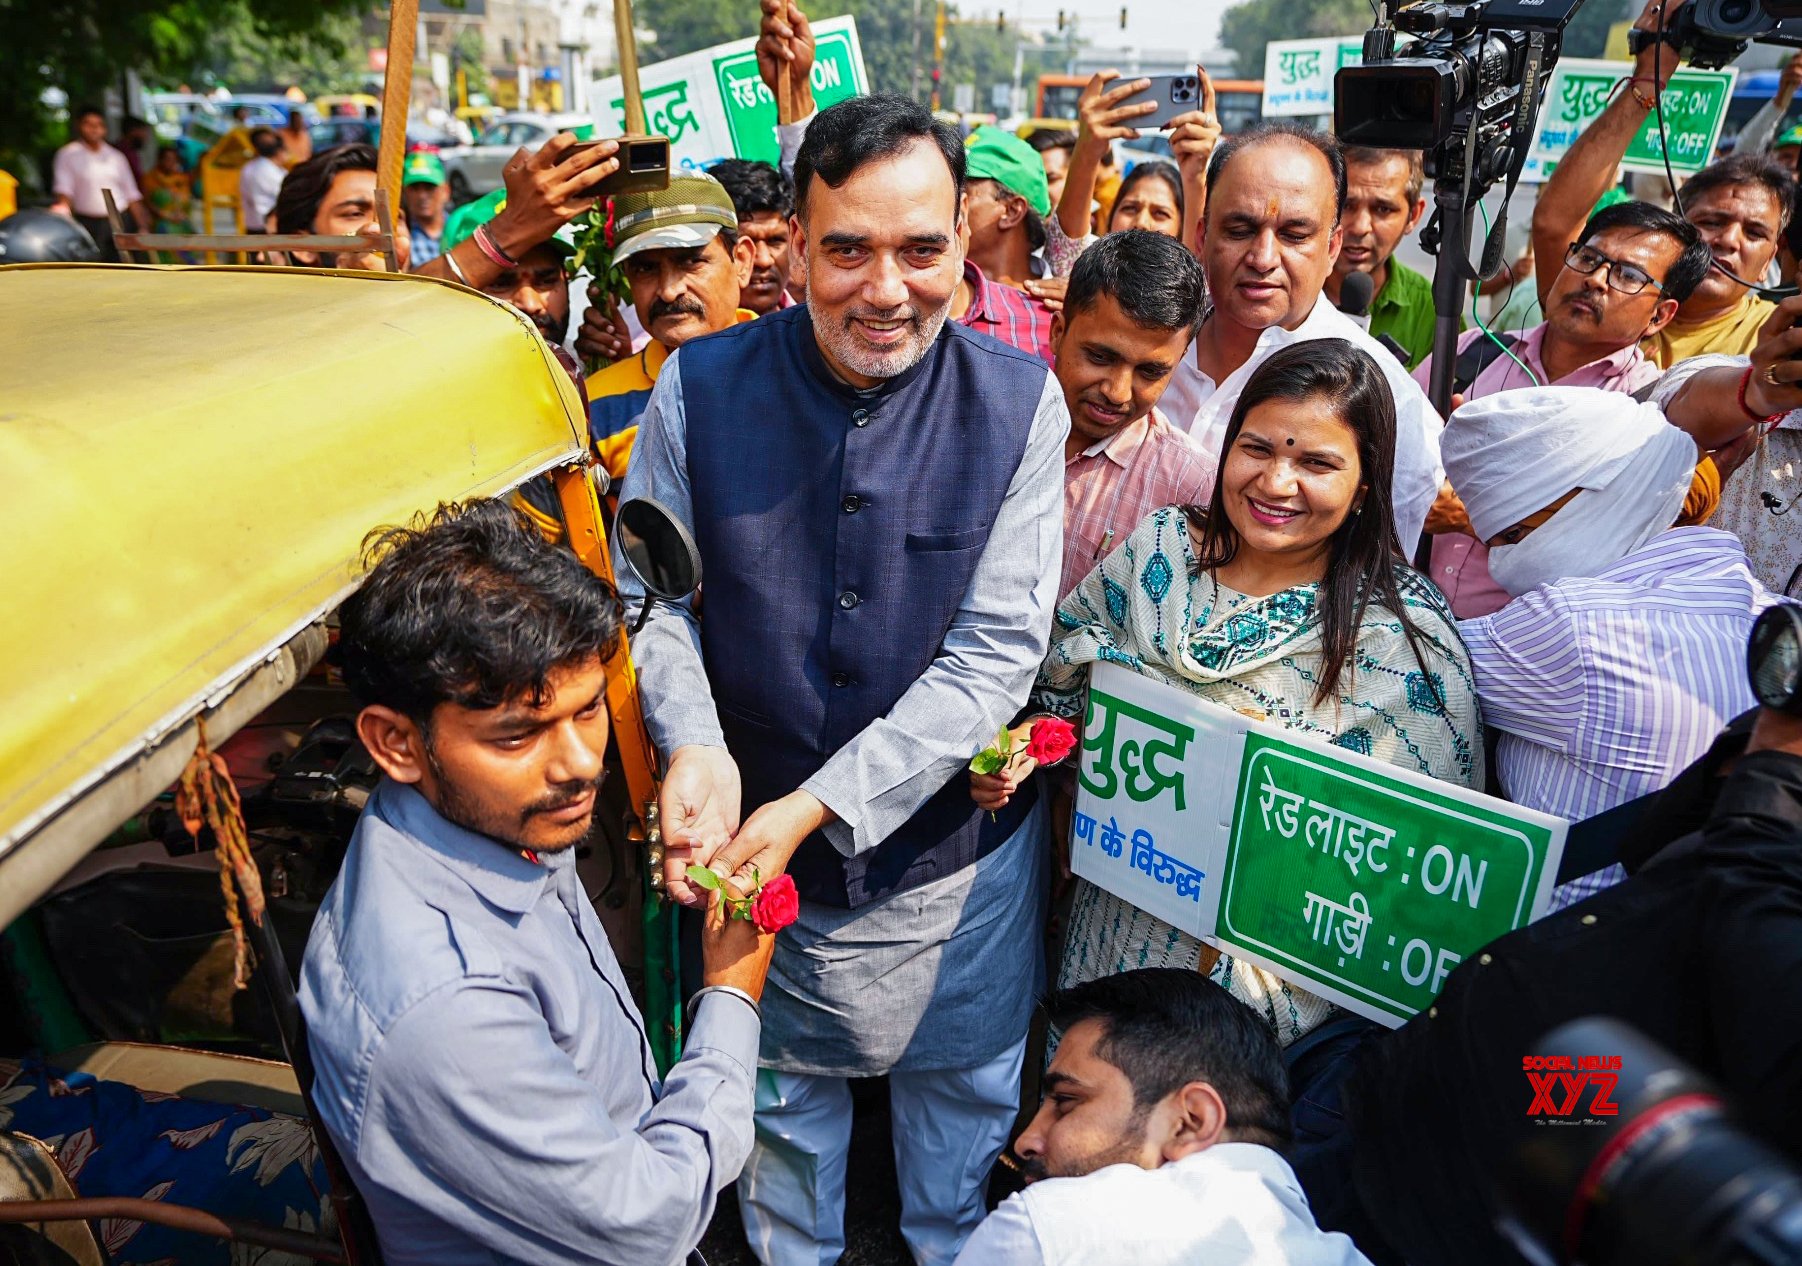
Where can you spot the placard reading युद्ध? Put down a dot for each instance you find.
(1359, 881)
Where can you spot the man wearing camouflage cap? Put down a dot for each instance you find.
(682, 255)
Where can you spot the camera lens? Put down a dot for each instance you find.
(1661, 1177)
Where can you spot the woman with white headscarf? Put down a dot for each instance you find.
(1621, 655)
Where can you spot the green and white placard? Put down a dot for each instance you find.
(1694, 103)
(712, 104)
(1298, 74)
(1353, 878)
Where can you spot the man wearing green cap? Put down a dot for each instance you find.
(683, 256)
(1787, 145)
(425, 196)
(1007, 201)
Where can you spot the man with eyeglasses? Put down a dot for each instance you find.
(1622, 281)
(1739, 205)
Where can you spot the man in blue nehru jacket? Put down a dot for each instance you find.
(876, 493)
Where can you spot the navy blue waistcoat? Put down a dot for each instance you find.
(838, 534)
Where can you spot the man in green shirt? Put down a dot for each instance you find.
(1383, 204)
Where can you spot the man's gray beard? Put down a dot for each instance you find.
(847, 351)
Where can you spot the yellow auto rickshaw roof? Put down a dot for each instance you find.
(191, 458)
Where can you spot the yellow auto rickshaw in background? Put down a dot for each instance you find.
(178, 776)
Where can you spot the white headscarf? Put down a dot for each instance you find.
(1512, 454)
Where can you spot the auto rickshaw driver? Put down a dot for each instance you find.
(470, 1026)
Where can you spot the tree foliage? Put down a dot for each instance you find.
(83, 47)
(328, 58)
(1246, 28)
(976, 52)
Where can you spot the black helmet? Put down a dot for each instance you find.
(44, 237)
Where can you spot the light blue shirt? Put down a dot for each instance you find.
(484, 1072)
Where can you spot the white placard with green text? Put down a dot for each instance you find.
(1694, 104)
(1358, 880)
(713, 104)
(1298, 74)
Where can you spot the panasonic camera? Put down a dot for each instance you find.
(1466, 90)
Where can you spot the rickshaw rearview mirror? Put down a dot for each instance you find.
(660, 552)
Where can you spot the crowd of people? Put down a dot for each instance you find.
(951, 421)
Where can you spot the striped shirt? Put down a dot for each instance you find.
(1013, 316)
(1112, 484)
(1606, 687)
(617, 397)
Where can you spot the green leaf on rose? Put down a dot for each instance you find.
(703, 877)
(988, 761)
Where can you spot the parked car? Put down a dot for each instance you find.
(350, 131)
(267, 109)
(475, 170)
(170, 112)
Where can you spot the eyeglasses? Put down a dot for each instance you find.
(1628, 279)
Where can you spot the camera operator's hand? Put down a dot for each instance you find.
(1655, 60)
(548, 189)
(785, 46)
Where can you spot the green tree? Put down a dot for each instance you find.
(328, 58)
(82, 47)
(1246, 28)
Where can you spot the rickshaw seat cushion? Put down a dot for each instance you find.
(28, 1171)
(111, 1138)
(204, 1075)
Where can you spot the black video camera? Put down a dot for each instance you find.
(1466, 91)
(1711, 33)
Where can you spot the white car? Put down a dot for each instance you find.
(474, 170)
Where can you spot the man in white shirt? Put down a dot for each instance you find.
(1271, 234)
(81, 172)
(260, 180)
(1158, 1139)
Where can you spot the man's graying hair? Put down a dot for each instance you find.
(863, 130)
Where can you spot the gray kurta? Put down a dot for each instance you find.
(916, 981)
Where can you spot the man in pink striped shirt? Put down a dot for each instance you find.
(1622, 282)
(1134, 301)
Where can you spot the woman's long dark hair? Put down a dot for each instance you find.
(1152, 169)
(1364, 553)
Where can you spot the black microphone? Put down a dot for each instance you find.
(1356, 291)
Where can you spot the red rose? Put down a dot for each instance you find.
(775, 905)
(1051, 740)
